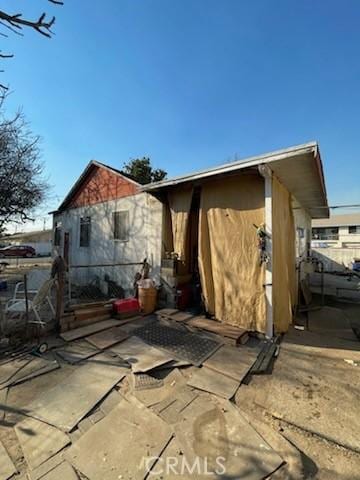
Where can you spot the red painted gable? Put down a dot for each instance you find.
(101, 185)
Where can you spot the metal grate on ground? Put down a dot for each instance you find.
(184, 346)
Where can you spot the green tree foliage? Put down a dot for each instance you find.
(140, 170)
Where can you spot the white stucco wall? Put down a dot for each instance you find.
(145, 233)
(302, 220)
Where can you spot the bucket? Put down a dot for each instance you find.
(147, 299)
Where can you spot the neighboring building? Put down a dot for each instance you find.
(339, 231)
(41, 240)
(211, 225)
(106, 227)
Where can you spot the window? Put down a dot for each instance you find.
(354, 229)
(57, 234)
(85, 223)
(300, 241)
(325, 233)
(121, 225)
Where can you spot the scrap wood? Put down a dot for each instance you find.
(213, 428)
(25, 369)
(172, 407)
(166, 312)
(76, 351)
(39, 441)
(213, 382)
(67, 325)
(88, 330)
(232, 362)
(107, 338)
(70, 400)
(263, 361)
(103, 452)
(53, 365)
(239, 335)
(63, 471)
(81, 306)
(7, 468)
(3, 400)
(182, 316)
(46, 467)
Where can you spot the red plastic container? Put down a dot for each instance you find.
(183, 296)
(126, 305)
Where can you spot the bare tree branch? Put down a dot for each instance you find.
(22, 186)
(16, 23)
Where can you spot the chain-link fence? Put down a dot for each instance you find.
(91, 283)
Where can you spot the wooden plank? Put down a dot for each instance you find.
(80, 306)
(107, 338)
(77, 351)
(219, 430)
(104, 453)
(62, 471)
(46, 467)
(213, 382)
(89, 329)
(70, 400)
(182, 316)
(93, 312)
(166, 312)
(76, 323)
(39, 441)
(232, 362)
(217, 327)
(7, 468)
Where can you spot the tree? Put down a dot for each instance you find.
(15, 23)
(140, 170)
(22, 186)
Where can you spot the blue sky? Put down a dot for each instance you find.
(191, 83)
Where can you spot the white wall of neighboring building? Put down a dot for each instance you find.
(302, 221)
(144, 240)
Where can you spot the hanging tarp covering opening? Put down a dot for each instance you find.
(283, 245)
(231, 276)
(180, 204)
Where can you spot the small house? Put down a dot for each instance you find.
(105, 227)
(238, 231)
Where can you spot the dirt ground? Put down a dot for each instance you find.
(309, 404)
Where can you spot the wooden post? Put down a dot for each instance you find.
(58, 270)
(59, 298)
(26, 299)
(266, 172)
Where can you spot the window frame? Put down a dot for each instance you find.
(354, 227)
(85, 222)
(57, 234)
(116, 228)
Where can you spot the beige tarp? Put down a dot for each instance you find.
(231, 277)
(283, 244)
(180, 204)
